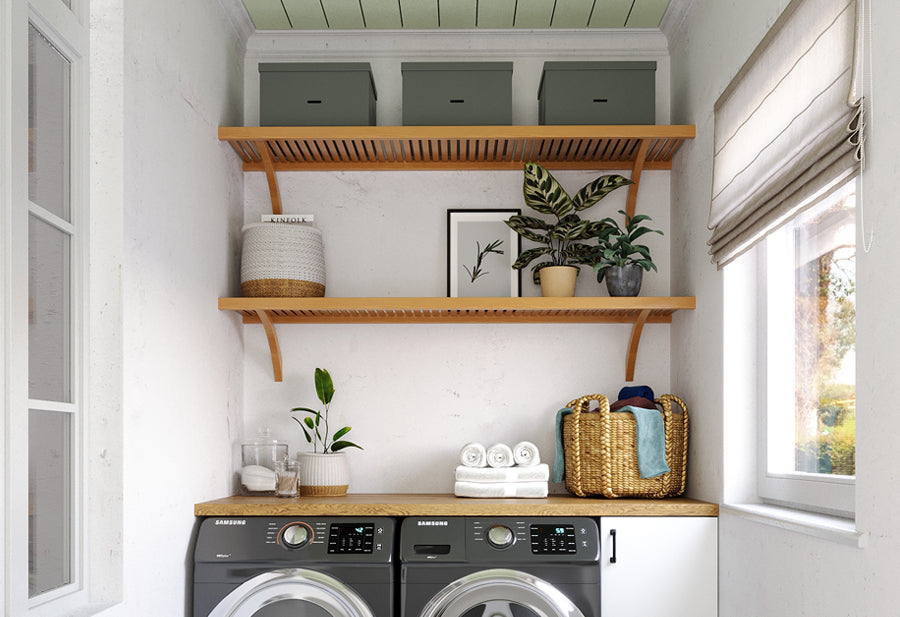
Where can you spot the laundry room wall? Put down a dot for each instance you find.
(766, 569)
(415, 393)
(181, 70)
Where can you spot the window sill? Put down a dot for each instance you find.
(822, 526)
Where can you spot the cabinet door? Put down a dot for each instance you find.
(663, 566)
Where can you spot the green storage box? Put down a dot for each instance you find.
(597, 93)
(457, 93)
(316, 94)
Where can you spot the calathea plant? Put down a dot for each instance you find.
(616, 246)
(311, 424)
(561, 240)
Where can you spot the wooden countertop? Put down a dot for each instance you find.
(415, 504)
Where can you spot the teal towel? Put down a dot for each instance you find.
(559, 458)
(650, 433)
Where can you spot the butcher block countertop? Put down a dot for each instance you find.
(415, 504)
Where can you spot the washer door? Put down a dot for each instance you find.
(295, 592)
(500, 593)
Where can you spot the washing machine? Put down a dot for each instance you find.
(499, 567)
(259, 566)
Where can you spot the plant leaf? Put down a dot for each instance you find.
(340, 445)
(543, 193)
(524, 229)
(531, 222)
(594, 191)
(309, 422)
(341, 433)
(324, 386)
(306, 409)
(526, 257)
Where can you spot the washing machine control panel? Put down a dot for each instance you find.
(351, 538)
(558, 539)
(296, 535)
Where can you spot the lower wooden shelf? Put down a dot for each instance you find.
(636, 311)
(415, 504)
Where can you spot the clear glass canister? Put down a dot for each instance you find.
(258, 457)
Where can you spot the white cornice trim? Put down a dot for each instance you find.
(339, 44)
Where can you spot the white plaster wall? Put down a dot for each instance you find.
(182, 386)
(764, 570)
(415, 393)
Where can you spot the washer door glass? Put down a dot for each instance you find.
(294, 592)
(500, 593)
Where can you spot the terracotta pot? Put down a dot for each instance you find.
(558, 281)
(323, 474)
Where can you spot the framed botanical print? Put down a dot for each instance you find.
(481, 250)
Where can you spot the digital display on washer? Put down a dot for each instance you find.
(351, 538)
(553, 539)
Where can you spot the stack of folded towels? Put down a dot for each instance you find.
(501, 471)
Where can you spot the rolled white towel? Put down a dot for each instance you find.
(473, 455)
(500, 455)
(526, 454)
(509, 489)
(535, 473)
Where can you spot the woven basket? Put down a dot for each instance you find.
(601, 451)
(282, 260)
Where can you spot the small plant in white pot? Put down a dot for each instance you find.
(618, 258)
(562, 239)
(323, 473)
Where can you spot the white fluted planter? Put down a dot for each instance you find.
(323, 475)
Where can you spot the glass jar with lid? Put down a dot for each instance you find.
(258, 458)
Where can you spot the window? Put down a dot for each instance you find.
(45, 317)
(808, 315)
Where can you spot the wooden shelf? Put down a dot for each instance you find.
(448, 505)
(406, 148)
(636, 311)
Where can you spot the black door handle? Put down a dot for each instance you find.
(612, 559)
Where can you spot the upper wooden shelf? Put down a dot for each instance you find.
(636, 311)
(301, 148)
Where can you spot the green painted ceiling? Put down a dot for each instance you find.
(453, 14)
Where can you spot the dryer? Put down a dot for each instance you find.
(298, 567)
(499, 567)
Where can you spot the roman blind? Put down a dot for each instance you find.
(788, 129)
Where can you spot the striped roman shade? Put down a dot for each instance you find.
(788, 129)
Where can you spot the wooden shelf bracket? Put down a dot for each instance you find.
(274, 348)
(269, 166)
(636, 328)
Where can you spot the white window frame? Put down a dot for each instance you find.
(833, 495)
(67, 30)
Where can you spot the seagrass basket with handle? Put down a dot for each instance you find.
(601, 450)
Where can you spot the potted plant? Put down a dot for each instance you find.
(325, 472)
(618, 258)
(561, 240)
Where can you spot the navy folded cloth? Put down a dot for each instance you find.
(630, 391)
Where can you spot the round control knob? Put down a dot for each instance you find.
(296, 535)
(500, 536)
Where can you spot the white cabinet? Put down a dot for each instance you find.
(659, 566)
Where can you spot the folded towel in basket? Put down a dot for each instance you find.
(650, 434)
(535, 473)
(500, 489)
